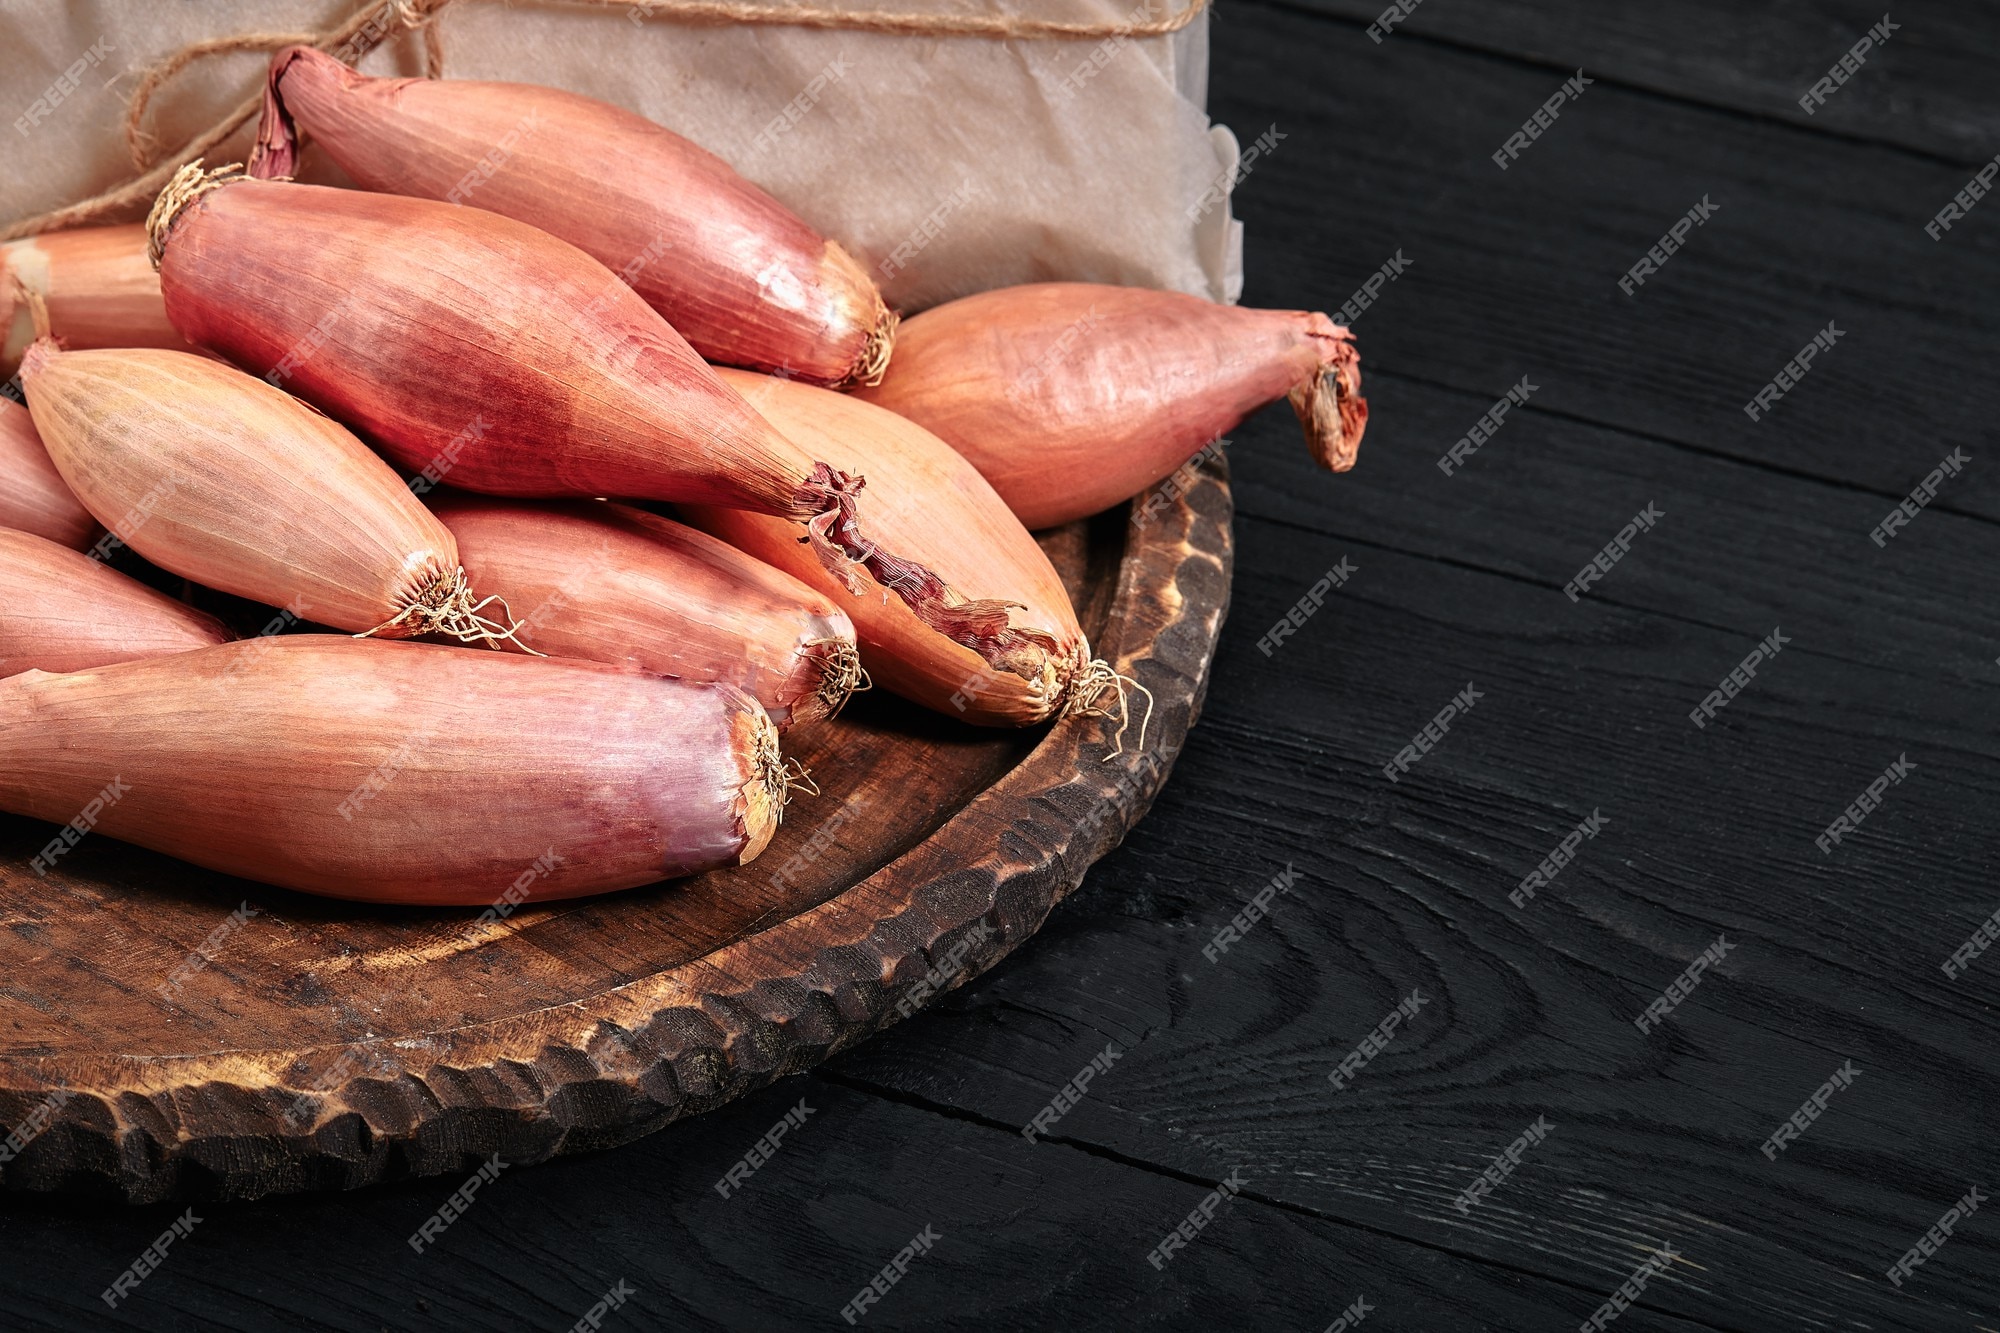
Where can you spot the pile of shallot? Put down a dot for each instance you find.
(431, 425)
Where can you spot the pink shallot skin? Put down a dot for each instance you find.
(477, 347)
(100, 290)
(1070, 397)
(925, 500)
(62, 611)
(612, 583)
(738, 275)
(397, 772)
(221, 478)
(33, 495)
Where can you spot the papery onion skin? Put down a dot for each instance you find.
(611, 583)
(33, 496)
(741, 277)
(1071, 397)
(398, 772)
(475, 349)
(503, 359)
(62, 611)
(924, 499)
(100, 290)
(226, 480)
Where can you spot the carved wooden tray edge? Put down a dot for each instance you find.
(617, 1065)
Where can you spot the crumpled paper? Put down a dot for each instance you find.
(948, 165)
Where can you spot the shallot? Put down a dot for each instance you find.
(1032, 660)
(33, 496)
(222, 478)
(398, 772)
(616, 584)
(101, 291)
(62, 611)
(733, 270)
(1070, 397)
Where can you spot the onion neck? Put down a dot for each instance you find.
(981, 625)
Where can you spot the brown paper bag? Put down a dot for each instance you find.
(948, 164)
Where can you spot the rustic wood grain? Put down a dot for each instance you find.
(1711, 833)
(1407, 886)
(422, 1040)
(1028, 1230)
(1927, 90)
(1516, 273)
(1531, 1009)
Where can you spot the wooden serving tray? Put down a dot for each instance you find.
(160, 1041)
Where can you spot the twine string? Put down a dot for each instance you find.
(140, 145)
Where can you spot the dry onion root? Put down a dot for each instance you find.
(615, 584)
(1032, 661)
(734, 271)
(400, 772)
(33, 496)
(100, 290)
(223, 479)
(1071, 397)
(62, 611)
(478, 350)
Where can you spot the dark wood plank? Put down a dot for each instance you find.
(1656, 1136)
(1033, 1236)
(1741, 549)
(1516, 273)
(1928, 89)
(1590, 711)
(1711, 834)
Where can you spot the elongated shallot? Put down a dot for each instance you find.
(399, 772)
(616, 584)
(1033, 662)
(33, 496)
(62, 611)
(235, 484)
(100, 289)
(1070, 397)
(733, 270)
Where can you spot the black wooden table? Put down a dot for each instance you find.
(1637, 1155)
